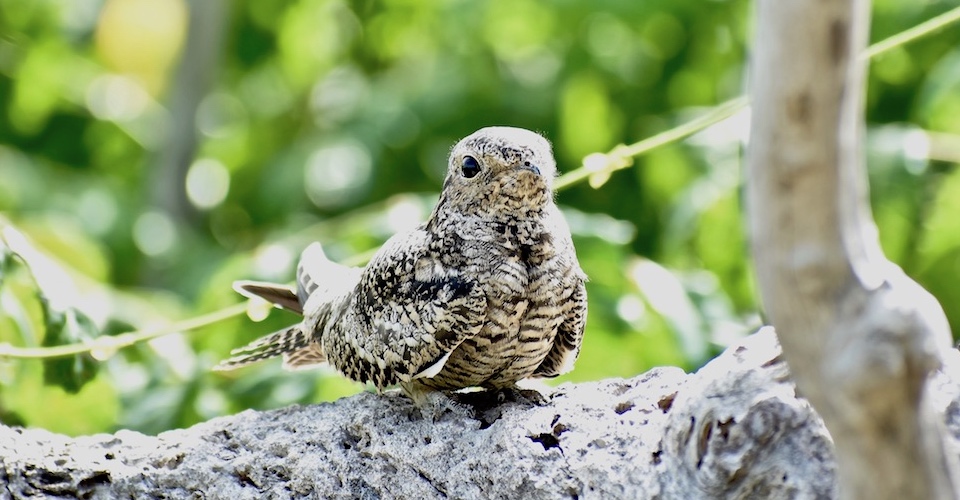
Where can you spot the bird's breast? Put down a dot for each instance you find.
(522, 319)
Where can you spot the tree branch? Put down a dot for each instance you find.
(860, 337)
(734, 430)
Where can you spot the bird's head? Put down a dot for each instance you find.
(502, 170)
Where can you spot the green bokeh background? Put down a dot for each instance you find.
(156, 163)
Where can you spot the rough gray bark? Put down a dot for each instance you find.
(735, 429)
(860, 337)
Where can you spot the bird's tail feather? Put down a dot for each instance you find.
(282, 296)
(277, 343)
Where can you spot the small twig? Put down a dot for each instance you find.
(912, 34)
(598, 166)
(104, 346)
(601, 165)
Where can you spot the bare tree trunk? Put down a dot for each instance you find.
(860, 337)
(194, 78)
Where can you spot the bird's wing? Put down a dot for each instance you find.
(407, 314)
(566, 345)
(314, 269)
(573, 300)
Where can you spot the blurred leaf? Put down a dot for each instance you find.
(938, 253)
(141, 37)
(62, 239)
(665, 172)
(942, 225)
(62, 323)
(589, 120)
(667, 296)
(68, 327)
(93, 409)
(6, 261)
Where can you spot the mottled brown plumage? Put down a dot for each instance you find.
(485, 293)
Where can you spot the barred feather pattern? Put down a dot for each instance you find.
(485, 293)
(276, 344)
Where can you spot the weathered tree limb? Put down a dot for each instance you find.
(736, 429)
(860, 337)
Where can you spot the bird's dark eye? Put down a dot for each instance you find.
(470, 167)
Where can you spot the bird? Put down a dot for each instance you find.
(486, 292)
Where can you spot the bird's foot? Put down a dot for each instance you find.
(434, 404)
(517, 395)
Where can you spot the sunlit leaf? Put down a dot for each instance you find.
(68, 327)
(93, 409)
(6, 261)
(667, 296)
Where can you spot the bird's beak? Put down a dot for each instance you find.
(531, 167)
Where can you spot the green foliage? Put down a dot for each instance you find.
(68, 327)
(330, 121)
